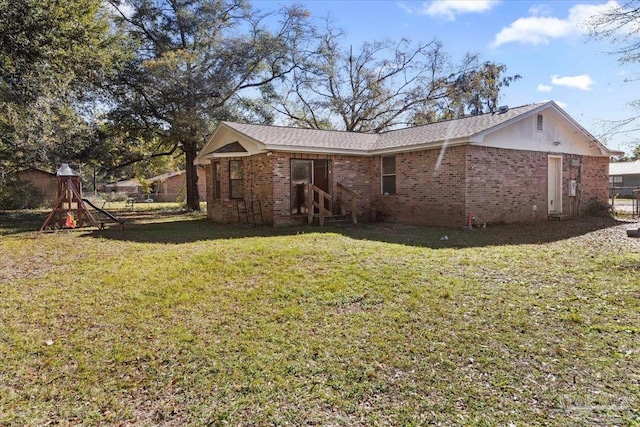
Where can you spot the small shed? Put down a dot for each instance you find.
(45, 183)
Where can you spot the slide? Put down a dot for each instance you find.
(119, 221)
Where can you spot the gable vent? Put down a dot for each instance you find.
(539, 122)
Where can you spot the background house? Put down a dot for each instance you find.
(168, 186)
(131, 187)
(514, 165)
(624, 177)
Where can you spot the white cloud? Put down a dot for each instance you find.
(544, 88)
(582, 82)
(123, 8)
(448, 9)
(541, 29)
(534, 30)
(538, 10)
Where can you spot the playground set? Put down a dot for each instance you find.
(70, 209)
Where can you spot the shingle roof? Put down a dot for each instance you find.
(449, 130)
(328, 139)
(624, 168)
(165, 176)
(299, 137)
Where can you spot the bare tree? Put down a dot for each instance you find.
(371, 89)
(620, 25)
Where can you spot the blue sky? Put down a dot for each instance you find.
(543, 41)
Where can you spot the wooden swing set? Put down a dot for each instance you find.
(69, 210)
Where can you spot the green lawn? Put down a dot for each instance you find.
(177, 321)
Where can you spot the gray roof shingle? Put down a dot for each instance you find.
(310, 138)
(339, 140)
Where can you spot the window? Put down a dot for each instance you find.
(217, 180)
(616, 181)
(539, 122)
(389, 175)
(235, 179)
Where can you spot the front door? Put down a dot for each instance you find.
(304, 172)
(555, 184)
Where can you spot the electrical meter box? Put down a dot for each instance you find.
(573, 187)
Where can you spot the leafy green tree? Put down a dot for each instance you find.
(198, 62)
(475, 91)
(54, 56)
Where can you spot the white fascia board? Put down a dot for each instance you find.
(225, 155)
(206, 154)
(203, 151)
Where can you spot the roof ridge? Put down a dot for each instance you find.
(231, 123)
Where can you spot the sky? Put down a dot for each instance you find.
(545, 42)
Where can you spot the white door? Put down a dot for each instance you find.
(555, 184)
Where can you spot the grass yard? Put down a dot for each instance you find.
(178, 321)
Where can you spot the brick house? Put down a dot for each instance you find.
(168, 186)
(514, 165)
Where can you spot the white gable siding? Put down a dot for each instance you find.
(225, 136)
(523, 135)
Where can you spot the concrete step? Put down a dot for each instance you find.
(558, 217)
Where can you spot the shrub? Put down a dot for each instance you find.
(114, 197)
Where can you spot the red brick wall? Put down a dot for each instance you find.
(268, 178)
(427, 193)
(503, 186)
(496, 185)
(595, 180)
(356, 173)
(257, 185)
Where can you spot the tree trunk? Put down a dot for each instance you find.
(193, 196)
